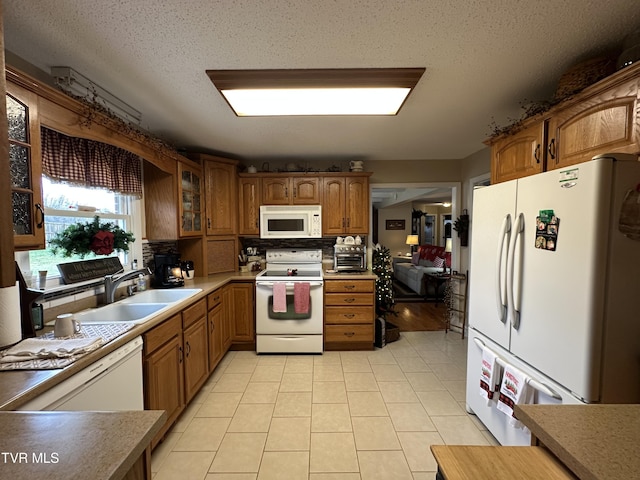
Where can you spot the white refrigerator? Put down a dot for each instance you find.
(555, 287)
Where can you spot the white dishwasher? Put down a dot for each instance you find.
(112, 383)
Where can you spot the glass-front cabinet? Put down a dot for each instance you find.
(191, 206)
(25, 163)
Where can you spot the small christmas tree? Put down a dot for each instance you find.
(381, 266)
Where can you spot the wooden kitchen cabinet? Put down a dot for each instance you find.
(216, 318)
(164, 372)
(345, 205)
(603, 118)
(226, 330)
(291, 190)
(25, 165)
(518, 155)
(190, 196)
(242, 313)
(604, 123)
(349, 314)
(196, 348)
(220, 194)
(249, 196)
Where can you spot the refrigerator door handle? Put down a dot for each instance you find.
(515, 313)
(501, 294)
(535, 384)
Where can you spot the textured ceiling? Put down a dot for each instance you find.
(482, 60)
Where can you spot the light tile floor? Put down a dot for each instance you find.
(340, 415)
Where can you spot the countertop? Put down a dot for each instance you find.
(62, 445)
(19, 386)
(593, 441)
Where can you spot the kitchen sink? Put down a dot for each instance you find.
(161, 296)
(122, 312)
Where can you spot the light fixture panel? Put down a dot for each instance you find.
(316, 92)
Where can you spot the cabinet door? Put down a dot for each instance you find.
(249, 206)
(242, 312)
(227, 311)
(306, 191)
(275, 191)
(518, 155)
(605, 123)
(25, 164)
(216, 318)
(220, 181)
(164, 379)
(190, 198)
(357, 205)
(196, 357)
(333, 206)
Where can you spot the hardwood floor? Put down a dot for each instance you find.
(419, 316)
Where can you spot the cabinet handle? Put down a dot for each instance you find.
(344, 222)
(212, 326)
(208, 222)
(349, 300)
(349, 334)
(181, 354)
(188, 349)
(286, 192)
(552, 149)
(536, 153)
(349, 287)
(348, 222)
(349, 315)
(39, 208)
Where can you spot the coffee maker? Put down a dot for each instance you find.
(167, 272)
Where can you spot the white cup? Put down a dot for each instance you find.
(66, 325)
(252, 169)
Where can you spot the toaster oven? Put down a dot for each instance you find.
(349, 258)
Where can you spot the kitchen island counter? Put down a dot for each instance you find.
(593, 441)
(62, 445)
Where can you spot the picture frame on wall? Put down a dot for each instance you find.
(394, 224)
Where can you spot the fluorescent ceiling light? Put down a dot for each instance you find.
(316, 92)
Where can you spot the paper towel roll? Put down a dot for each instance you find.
(10, 324)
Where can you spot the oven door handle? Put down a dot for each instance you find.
(288, 284)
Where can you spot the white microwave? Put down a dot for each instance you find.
(290, 221)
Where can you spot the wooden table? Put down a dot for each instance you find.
(436, 279)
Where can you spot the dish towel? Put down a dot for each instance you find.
(35, 348)
(301, 297)
(513, 390)
(279, 297)
(489, 375)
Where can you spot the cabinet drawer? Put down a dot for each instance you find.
(161, 334)
(214, 299)
(194, 312)
(349, 286)
(348, 299)
(341, 315)
(348, 333)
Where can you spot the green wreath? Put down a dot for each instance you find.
(92, 237)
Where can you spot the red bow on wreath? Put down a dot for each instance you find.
(102, 243)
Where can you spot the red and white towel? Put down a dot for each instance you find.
(489, 375)
(513, 390)
(279, 297)
(301, 297)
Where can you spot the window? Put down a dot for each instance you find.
(66, 204)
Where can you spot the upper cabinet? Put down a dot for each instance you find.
(249, 194)
(603, 118)
(518, 155)
(604, 123)
(191, 203)
(290, 190)
(25, 163)
(221, 194)
(345, 206)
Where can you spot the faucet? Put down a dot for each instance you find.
(111, 282)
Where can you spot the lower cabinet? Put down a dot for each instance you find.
(349, 314)
(164, 372)
(196, 348)
(181, 352)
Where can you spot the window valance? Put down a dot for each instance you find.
(90, 163)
